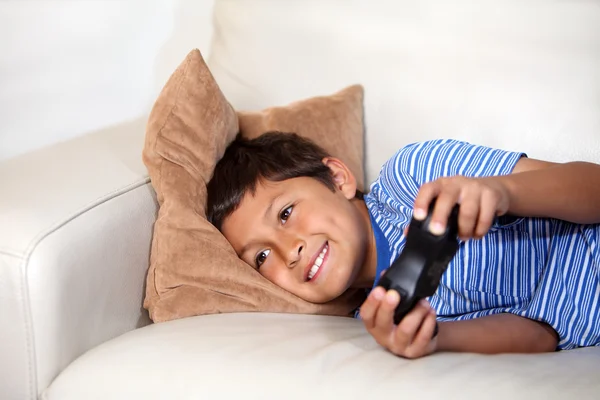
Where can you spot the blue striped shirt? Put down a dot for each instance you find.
(543, 269)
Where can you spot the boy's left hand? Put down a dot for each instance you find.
(412, 337)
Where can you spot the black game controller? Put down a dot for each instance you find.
(416, 273)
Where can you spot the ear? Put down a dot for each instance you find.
(343, 178)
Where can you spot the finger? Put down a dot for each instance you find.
(368, 310)
(446, 200)
(469, 212)
(410, 324)
(426, 194)
(384, 319)
(422, 339)
(487, 213)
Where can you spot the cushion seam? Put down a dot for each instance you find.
(175, 103)
(24, 255)
(12, 253)
(28, 328)
(154, 246)
(159, 137)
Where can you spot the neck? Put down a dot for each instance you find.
(366, 275)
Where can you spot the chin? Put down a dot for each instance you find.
(326, 298)
(321, 299)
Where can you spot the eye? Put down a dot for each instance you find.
(261, 257)
(285, 214)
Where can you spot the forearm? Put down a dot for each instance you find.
(500, 333)
(568, 191)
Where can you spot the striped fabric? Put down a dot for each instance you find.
(543, 269)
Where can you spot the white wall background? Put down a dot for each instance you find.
(71, 67)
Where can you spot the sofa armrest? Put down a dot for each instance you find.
(76, 226)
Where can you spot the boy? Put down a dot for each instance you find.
(523, 280)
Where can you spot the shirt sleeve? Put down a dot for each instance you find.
(419, 163)
(433, 159)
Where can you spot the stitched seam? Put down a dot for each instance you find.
(90, 206)
(11, 253)
(154, 246)
(57, 225)
(159, 136)
(36, 241)
(29, 331)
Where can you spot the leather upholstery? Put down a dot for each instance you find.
(76, 218)
(76, 224)
(276, 356)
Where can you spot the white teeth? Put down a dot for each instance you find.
(313, 271)
(315, 268)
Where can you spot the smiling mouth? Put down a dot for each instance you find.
(314, 269)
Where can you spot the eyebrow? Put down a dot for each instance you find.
(265, 215)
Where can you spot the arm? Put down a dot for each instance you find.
(412, 337)
(499, 333)
(568, 191)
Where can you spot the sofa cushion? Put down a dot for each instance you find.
(269, 356)
(193, 269)
(439, 69)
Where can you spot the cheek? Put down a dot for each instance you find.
(344, 219)
(276, 276)
(273, 269)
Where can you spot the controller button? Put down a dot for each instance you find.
(403, 294)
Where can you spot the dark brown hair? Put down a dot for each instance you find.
(273, 156)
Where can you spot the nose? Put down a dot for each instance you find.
(293, 248)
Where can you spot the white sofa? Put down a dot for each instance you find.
(76, 217)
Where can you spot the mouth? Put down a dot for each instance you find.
(316, 263)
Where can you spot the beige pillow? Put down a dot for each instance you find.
(193, 269)
(334, 122)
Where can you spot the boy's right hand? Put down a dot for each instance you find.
(480, 199)
(412, 337)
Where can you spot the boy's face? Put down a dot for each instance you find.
(311, 241)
